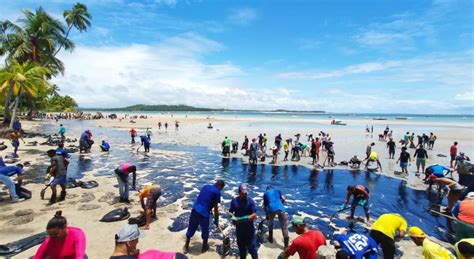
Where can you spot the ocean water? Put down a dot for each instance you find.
(183, 170)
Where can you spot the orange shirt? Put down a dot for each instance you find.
(466, 211)
(133, 133)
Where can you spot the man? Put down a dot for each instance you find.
(465, 248)
(453, 150)
(122, 172)
(278, 140)
(361, 197)
(244, 212)
(226, 147)
(383, 231)
(145, 143)
(404, 159)
(149, 133)
(391, 148)
(5, 173)
(253, 151)
(275, 152)
(464, 212)
(437, 170)
(286, 149)
(133, 134)
(455, 190)
(273, 206)
(126, 241)
(354, 162)
(58, 170)
(406, 138)
(307, 243)
(368, 150)
(15, 137)
(104, 146)
(318, 148)
(62, 131)
(431, 141)
(17, 125)
(151, 194)
(85, 141)
(356, 246)
(421, 156)
(373, 157)
(60, 151)
(209, 197)
(430, 250)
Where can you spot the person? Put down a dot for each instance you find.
(391, 148)
(151, 194)
(455, 190)
(437, 170)
(286, 149)
(275, 151)
(373, 157)
(355, 162)
(406, 138)
(145, 142)
(133, 134)
(307, 243)
(245, 145)
(85, 141)
(58, 170)
(126, 241)
(384, 229)
(431, 141)
(63, 241)
(278, 140)
(60, 151)
(122, 172)
(176, 125)
(149, 133)
(273, 206)
(318, 148)
(104, 146)
(253, 154)
(209, 197)
(453, 150)
(5, 173)
(360, 195)
(166, 125)
(465, 248)
(265, 140)
(385, 132)
(330, 155)
(421, 156)
(226, 147)
(159, 125)
(368, 150)
(356, 246)
(244, 212)
(430, 250)
(460, 159)
(464, 212)
(62, 131)
(15, 137)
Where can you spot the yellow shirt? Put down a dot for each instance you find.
(431, 250)
(285, 146)
(373, 155)
(469, 240)
(389, 224)
(146, 191)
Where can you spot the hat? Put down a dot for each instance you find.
(298, 220)
(432, 177)
(470, 195)
(416, 232)
(128, 233)
(243, 188)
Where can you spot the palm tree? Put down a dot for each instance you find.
(78, 18)
(27, 78)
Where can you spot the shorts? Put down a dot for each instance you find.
(457, 192)
(153, 196)
(420, 161)
(453, 157)
(15, 143)
(404, 165)
(59, 180)
(387, 243)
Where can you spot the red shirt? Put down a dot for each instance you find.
(453, 150)
(307, 244)
(318, 145)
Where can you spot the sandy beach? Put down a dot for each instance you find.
(84, 208)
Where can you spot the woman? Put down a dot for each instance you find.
(63, 241)
(122, 172)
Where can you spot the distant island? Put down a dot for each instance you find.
(182, 108)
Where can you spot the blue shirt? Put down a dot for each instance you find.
(62, 129)
(105, 145)
(62, 152)
(438, 170)
(358, 246)
(242, 208)
(209, 196)
(145, 139)
(272, 199)
(16, 125)
(11, 170)
(84, 137)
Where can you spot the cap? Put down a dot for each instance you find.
(470, 195)
(128, 233)
(298, 220)
(416, 232)
(243, 188)
(432, 177)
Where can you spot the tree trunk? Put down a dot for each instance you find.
(6, 110)
(17, 101)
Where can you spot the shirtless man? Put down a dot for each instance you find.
(15, 137)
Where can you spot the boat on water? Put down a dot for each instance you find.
(338, 122)
(401, 118)
(380, 118)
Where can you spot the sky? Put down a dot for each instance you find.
(338, 56)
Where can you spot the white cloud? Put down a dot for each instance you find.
(243, 16)
(466, 96)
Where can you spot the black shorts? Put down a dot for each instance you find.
(387, 244)
(453, 157)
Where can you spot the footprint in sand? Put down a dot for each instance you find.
(88, 207)
(21, 217)
(87, 197)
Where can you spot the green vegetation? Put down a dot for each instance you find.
(30, 48)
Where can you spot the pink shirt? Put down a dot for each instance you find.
(125, 167)
(155, 254)
(73, 246)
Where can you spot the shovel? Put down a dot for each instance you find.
(225, 242)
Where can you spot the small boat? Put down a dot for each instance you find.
(380, 118)
(401, 118)
(337, 122)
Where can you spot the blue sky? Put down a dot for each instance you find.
(341, 56)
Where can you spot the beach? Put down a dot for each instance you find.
(84, 208)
